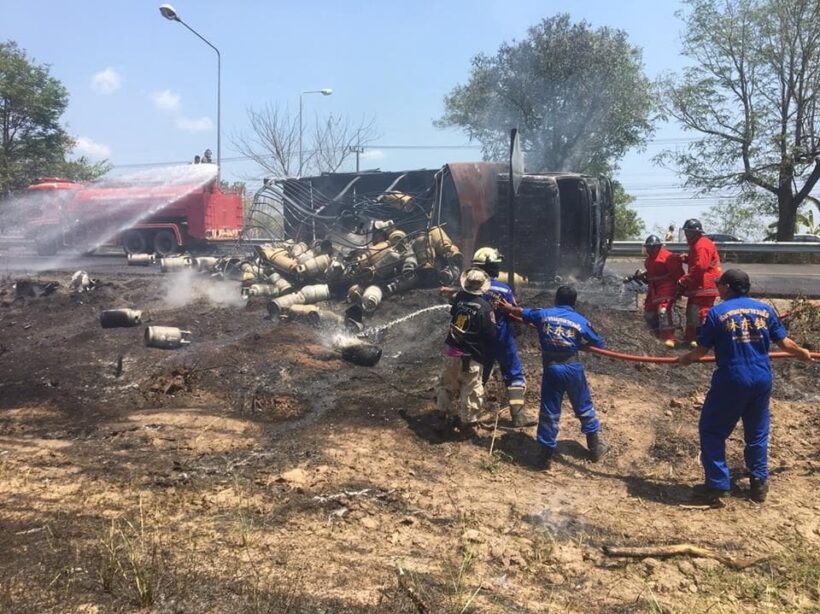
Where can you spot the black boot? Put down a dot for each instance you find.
(709, 495)
(545, 458)
(597, 447)
(760, 488)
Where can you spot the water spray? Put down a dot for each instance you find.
(376, 331)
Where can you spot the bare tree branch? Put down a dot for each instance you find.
(272, 141)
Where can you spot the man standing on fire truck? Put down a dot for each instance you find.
(663, 270)
(700, 282)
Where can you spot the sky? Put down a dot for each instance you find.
(143, 89)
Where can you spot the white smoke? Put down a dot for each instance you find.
(187, 286)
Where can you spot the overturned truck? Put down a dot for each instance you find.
(564, 222)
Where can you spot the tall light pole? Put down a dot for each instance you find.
(324, 92)
(167, 11)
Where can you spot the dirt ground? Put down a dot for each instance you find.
(254, 471)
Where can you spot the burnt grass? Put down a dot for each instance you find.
(254, 470)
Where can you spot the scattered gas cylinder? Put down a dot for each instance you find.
(175, 263)
(166, 337)
(141, 259)
(120, 318)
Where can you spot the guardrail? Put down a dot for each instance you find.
(635, 248)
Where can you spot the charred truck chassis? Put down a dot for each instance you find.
(564, 221)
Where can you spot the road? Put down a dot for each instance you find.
(782, 280)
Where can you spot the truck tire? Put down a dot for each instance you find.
(134, 242)
(165, 243)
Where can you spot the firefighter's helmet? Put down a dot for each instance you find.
(487, 255)
(653, 241)
(693, 224)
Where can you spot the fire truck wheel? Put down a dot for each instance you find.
(165, 243)
(133, 242)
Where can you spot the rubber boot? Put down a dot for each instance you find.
(520, 418)
(516, 393)
(691, 336)
(708, 495)
(544, 462)
(597, 447)
(760, 488)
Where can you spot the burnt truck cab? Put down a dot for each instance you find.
(564, 222)
(145, 218)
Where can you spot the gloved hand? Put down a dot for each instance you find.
(639, 275)
(681, 285)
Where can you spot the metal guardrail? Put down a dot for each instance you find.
(635, 248)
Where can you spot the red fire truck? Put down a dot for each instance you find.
(159, 219)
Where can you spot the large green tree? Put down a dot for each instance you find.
(33, 143)
(578, 94)
(751, 96)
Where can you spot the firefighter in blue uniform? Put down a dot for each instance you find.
(740, 331)
(506, 353)
(562, 332)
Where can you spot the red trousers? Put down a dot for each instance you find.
(659, 317)
(696, 309)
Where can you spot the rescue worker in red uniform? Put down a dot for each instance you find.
(699, 285)
(663, 270)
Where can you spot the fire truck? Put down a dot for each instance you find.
(159, 219)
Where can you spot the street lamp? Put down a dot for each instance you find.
(167, 11)
(324, 92)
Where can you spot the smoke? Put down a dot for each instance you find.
(187, 286)
(609, 291)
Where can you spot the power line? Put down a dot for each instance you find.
(665, 141)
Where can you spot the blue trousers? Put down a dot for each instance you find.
(506, 353)
(557, 380)
(725, 404)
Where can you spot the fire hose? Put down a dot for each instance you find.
(661, 359)
(673, 359)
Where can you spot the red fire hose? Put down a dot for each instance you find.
(672, 359)
(661, 359)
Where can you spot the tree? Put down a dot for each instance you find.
(737, 218)
(273, 142)
(752, 97)
(32, 141)
(578, 95)
(628, 224)
(80, 169)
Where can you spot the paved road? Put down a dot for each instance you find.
(22, 262)
(767, 279)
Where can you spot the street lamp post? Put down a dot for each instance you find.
(324, 92)
(167, 11)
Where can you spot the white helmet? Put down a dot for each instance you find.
(487, 255)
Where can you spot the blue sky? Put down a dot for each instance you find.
(143, 89)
